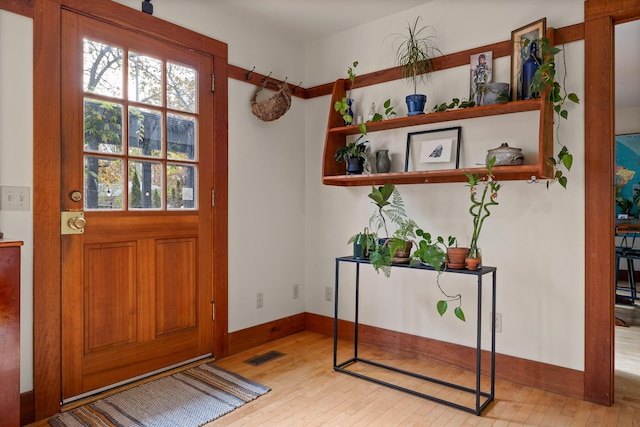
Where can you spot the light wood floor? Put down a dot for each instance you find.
(307, 392)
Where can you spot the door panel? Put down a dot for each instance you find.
(176, 290)
(110, 325)
(137, 142)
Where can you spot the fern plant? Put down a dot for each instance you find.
(389, 206)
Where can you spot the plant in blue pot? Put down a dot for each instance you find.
(344, 106)
(414, 52)
(354, 155)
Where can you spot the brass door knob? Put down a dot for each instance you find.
(77, 222)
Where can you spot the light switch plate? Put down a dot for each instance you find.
(14, 198)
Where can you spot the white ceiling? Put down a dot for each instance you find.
(308, 20)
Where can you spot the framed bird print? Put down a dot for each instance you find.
(435, 149)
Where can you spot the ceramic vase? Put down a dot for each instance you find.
(383, 162)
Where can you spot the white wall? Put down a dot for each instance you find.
(535, 236)
(627, 121)
(286, 228)
(16, 162)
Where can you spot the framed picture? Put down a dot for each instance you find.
(533, 31)
(481, 66)
(435, 149)
(627, 178)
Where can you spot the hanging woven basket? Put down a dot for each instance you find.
(274, 107)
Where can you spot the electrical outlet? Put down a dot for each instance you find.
(328, 293)
(14, 198)
(498, 322)
(296, 291)
(259, 300)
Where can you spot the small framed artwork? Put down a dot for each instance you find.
(436, 149)
(535, 30)
(481, 66)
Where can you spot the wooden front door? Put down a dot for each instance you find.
(137, 170)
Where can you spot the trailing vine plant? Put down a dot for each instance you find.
(545, 79)
(433, 251)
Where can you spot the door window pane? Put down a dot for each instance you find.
(181, 137)
(145, 185)
(182, 88)
(103, 183)
(181, 186)
(102, 69)
(145, 79)
(145, 132)
(102, 126)
(148, 159)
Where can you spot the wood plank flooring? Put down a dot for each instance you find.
(307, 392)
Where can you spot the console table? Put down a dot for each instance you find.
(482, 398)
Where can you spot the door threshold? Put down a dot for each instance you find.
(110, 390)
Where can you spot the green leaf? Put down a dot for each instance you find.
(567, 160)
(573, 98)
(363, 128)
(564, 114)
(563, 181)
(442, 307)
(459, 313)
(387, 103)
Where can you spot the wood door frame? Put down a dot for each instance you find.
(600, 19)
(47, 194)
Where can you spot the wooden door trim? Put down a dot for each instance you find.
(47, 195)
(600, 18)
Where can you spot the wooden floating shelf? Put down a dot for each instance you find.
(334, 173)
(444, 116)
(502, 173)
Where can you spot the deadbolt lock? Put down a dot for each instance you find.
(72, 223)
(75, 196)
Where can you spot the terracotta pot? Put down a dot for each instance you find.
(403, 256)
(456, 257)
(472, 263)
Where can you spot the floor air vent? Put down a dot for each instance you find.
(264, 358)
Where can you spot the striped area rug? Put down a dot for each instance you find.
(190, 398)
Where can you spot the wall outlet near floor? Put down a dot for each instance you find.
(259, 300)
(498, 322)
(328, 293)
(296, 291)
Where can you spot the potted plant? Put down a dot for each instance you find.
(354, 155)
(545, 79)
(389, 209)
(479, 209)
(344, 105)
(456, 255)
(433, 252)
(414, 54)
